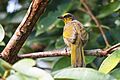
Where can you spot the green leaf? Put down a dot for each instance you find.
(18, 76)
(38, 73)
(89, 59)
(116, 33)
(31, 73)
(60, 43)
(49, 20)
(23, 64)
(14, 18)
(2, 70)
(116, 73)
(64, 61)
(92, 43)
(81, 74)
(109, 9)
(2, 15)
(2, 43)
(18, 16)
(5, 64)
(26, 49)
(24, 67)
(2, 33)
(110, 62)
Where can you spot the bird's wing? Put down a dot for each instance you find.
(73, 30)
(80, 31)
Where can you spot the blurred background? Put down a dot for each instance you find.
(47, 33)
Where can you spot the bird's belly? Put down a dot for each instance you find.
(68, 35)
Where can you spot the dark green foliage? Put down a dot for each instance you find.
(47, 34)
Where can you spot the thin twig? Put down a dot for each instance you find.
(113, 48)
(89, 12)
(35, 10)
(83, 10)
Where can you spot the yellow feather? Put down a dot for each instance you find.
(75, 37)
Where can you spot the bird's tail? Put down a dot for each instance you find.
(77, 56)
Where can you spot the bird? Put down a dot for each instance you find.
(75, 37)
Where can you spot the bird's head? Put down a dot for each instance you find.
(67, 17)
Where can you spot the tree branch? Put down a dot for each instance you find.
(89, 12)
(35, 10)
(54, 53)
(64, 52)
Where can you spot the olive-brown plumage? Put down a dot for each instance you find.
(75, 37)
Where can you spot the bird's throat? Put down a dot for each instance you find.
(67, 20)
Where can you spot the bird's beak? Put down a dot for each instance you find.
(60, 17)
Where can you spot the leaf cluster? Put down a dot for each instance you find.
(47, 35)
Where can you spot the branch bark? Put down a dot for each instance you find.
(63, 52)
(35, 10)
(55, 53)
(89, 12)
